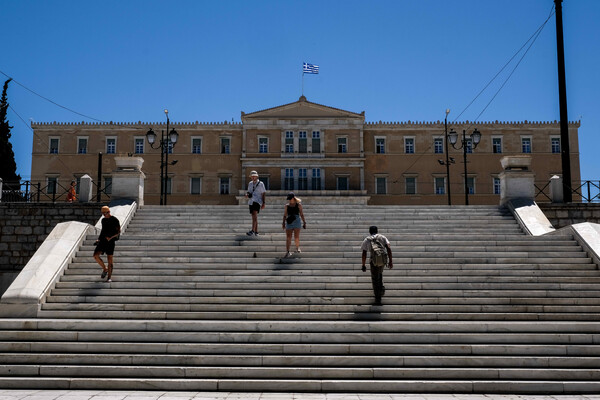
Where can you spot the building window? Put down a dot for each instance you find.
(380, 145)
(409, 145)
(410, 185)
(266, 181)
(82, 145)
(263, 145)
(496, 185)
(289, 141)
(302, 142)
(469, 145)
(139, 145)
(77, 184)
(54, 145)
(111, 145)
(288, 181)
(440, 185)
(316, 179)
(497, 145)
(342, 143)
(108, 185)
(526, 145)
(471, 185)
(438, 146)
(555, 145)
(224, 185)
(196, 145)
(169, 185)
(380, 185)
(51, 185)
(225, 146)
(342, 183)
(196, 185)
(316, 141)
(302, 179)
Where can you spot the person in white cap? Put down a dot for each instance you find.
(256, 195)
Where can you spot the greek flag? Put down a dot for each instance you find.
(310, 68)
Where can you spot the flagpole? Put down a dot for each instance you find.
(302, 82)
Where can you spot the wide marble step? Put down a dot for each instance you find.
(106, 371)
(292, 338)
(306, 385)
(373, 314)
(316, 360)
(237, 262)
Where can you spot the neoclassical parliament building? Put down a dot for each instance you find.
(308, 148)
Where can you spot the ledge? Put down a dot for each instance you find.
(29, 289)
(530, 217)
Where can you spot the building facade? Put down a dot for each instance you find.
(308, 148)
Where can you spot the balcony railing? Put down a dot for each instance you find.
(35, 192)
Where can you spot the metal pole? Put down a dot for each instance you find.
(168, 140)
(562, 97)
(464, 143)
(162, 166)
(99, 182)
(589, 198)
(447, 159)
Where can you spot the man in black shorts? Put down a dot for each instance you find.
(111, 228)
(256, 195)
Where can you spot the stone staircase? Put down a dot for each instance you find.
(472, 306)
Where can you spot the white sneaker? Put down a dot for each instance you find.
(298, 251)
(288, 254)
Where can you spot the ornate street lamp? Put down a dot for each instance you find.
(164, 145)
(475, 138)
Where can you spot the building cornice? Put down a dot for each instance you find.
(412, 124)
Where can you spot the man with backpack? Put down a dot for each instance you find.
(380, 256)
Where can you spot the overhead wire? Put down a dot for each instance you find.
(531, 39)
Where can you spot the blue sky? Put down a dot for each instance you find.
(397, 60)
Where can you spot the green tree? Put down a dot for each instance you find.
(8, 166)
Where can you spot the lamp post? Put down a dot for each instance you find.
(475, 138)
(449, 160)
(165, 143)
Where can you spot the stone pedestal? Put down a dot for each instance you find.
(128, 180)
(516, 181)
(556, 189)
(85, 189)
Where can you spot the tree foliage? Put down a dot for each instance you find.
(8, 166)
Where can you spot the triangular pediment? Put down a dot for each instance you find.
(302, 109)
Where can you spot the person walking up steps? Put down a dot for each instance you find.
(111, 228)
(291, 222)
(380, 256)
(256, 193)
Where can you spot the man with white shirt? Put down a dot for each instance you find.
(256, 195)
(380, 257)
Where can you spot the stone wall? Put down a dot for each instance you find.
(561, 215)
(24, 226)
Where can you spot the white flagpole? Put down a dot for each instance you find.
(302, 81)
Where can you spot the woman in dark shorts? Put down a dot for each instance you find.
(291, 222)
(111, 228)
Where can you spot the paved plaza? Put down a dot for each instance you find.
(162, 395)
